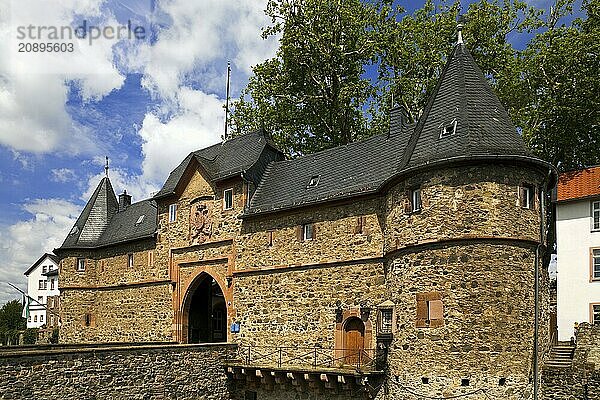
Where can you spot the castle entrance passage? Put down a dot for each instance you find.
(206, 312)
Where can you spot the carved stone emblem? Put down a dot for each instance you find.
(200, 223)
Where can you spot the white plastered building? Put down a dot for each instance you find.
(42, 289)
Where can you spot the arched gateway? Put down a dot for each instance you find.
(205, 312)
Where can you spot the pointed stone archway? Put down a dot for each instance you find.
(204, 312)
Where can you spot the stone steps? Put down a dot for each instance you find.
(561, 356)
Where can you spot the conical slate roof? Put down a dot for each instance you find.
(95, 217)
(462, 98)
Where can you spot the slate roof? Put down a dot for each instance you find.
(579, 184)
(101, 224)
(346, 171)
(54, 258)
(462, 94)
(222, 160)
(483, 126)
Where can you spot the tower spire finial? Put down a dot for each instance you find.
(106, 167)
(459, 28)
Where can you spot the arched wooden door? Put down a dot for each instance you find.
(354, 340)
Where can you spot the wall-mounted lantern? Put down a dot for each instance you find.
(385, 320)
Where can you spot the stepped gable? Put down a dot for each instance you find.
(462, 97)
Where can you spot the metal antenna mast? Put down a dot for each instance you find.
(227, 100)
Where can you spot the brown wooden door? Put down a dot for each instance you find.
(354, 340)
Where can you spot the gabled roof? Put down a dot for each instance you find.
(137, 221)
(483, 127)
(95, 216)
(580, 184)
(221, 161)
(40, 260)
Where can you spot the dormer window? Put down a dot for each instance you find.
(227, 199)
(314, 180)
(448, 129)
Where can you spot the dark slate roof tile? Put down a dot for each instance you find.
(221, 161)
(354, 169)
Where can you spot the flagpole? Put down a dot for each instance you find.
(29, 298)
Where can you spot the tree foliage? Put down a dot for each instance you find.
(312, 94)
(11, 321)
(315, 93)
(560, 116)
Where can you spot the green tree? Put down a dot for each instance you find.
(416, 49)
(312, 94)
(11, 321)
(560, 116)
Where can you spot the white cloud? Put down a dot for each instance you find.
(62, 175)
(198, 123)
(33, 86)
(22, 243)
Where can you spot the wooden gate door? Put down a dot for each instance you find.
(354, 340)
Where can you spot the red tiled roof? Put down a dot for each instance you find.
(579, 184)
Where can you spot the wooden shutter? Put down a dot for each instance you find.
(407, 202)
(436, 313)
(314, 231)
(421, 311)
(365, 228)
(299, 233)
(522, 197)
(536, 199)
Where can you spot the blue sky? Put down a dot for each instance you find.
(144, 103)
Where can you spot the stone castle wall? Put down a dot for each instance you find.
(123, 314)
(120, 373)
(582, 380)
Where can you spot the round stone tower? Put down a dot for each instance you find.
(463, 238)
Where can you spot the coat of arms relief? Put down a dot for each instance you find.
(200, 222)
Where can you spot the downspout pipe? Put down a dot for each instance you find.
(536, 326)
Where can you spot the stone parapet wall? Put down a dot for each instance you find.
(582, 380)
(119, 373)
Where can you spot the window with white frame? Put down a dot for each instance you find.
(527, 196)
(45, 284)
(595, 314)
(35, 318)
(130, 260)
(81, 264)
(307, 232)
(595, 264)
(227, 199)
(40, 299)
(415, 200)
(42, 318)
(172, 212)
(596, 215)
(41, 285)
(44, 269)
(51, 284)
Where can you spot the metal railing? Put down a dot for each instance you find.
(281, 357)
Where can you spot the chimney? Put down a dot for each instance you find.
(124, 200)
